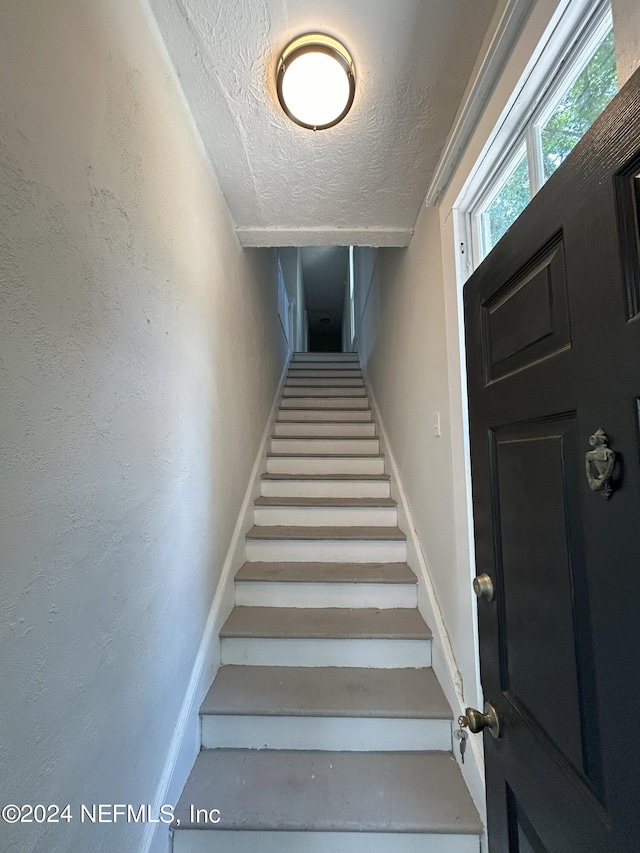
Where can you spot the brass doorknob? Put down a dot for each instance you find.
(483, 587)
(476, 721)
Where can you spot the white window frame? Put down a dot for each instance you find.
(561, 58)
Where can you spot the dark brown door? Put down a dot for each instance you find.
(553, 354)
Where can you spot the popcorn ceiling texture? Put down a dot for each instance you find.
(360, 182)
(140, 351)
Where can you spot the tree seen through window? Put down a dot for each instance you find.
(572, 116)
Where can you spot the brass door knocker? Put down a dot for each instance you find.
(599, 464)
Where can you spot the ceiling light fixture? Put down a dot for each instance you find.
(316, 81)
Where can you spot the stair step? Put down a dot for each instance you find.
(336, 637)
(322, 429)
(326, 502)
(239, 841)
(325, 623)
(326, 485)
(323, 391)
(320, 477)
(325, 362)
(333, 357)
(361, 544)
(324, 382)
(326, 730)
(335, 585)
(341, 403)
(326, 692)
(325, 512)
(337, 573)
(328, 708)
(322, 373)
(327, 463)
(321, 533)
(318, 415)
(289, 801)
(312, 446)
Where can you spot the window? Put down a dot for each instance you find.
(511, 196)
(571, 82)
(570, 118)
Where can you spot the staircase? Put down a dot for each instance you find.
(325, 729)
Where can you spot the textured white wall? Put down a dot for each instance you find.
(626, 25)
(401, 338)
(139, 355)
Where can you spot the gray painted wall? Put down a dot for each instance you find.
(139, 356)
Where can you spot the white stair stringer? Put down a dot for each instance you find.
(325, 729)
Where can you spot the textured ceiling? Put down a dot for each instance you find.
(362, 181)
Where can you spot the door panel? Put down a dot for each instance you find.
(538, 554)
(553, 354)
(523, 835)
(628, 197)
(528, 319)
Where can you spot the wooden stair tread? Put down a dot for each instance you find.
(326, 692)
(297, 532)
(325, 623)
(297, 572)
(269, 476)
(322, 502)
(358, 791)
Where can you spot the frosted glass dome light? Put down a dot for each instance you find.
(316, 81)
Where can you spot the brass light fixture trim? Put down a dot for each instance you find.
(319, 44)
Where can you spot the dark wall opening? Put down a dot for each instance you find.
(325, 270)
(319, 342)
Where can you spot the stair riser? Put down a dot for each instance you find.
(328, 465)
(325, 372)
(326, 488)
(334, 734)
(384, 596)
(358, 430)
(324, 391)
(366, 446)
(239, 841)
(285, 415)
(324, 516)
(326, 551)
(309, 379)
(326, 402)
(373, 654)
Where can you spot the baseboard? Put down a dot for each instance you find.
(443, 659)
(185, 744)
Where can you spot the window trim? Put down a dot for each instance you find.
(568, 46)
